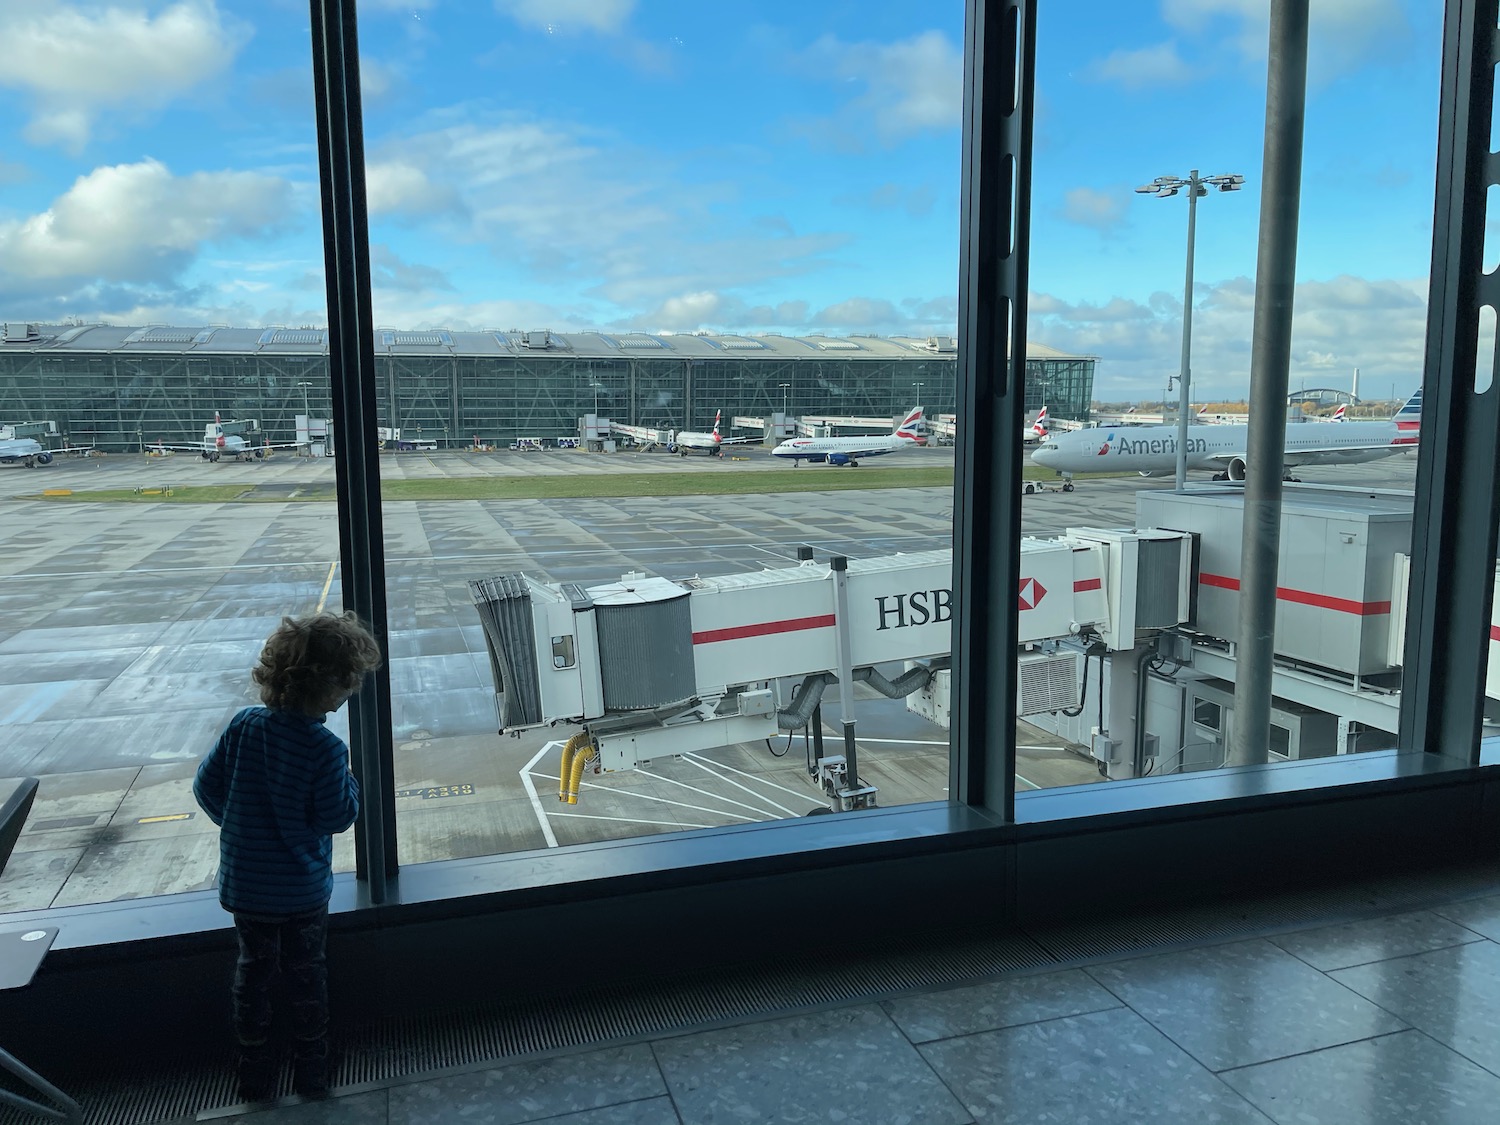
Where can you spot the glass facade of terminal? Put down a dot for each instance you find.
(121, 400)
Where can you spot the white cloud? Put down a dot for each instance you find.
(1159, 65)
(907, 87)
(604, 17)
(579, 211)
(398, 186)
(859, 313)
(136, 223)
(76, 62)
(1341, 323)
(1342, 34)
(1103, 211)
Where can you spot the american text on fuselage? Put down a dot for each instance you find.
(1156, 445)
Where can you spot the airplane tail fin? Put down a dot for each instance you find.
(1039, 427)
(1338, 415)
(1411, 411)
(717, 415)
(913, 427)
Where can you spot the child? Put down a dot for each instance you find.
(278, 785)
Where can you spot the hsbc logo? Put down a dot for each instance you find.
(1031, 594)
(920, 607)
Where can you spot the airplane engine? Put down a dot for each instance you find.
(44, 458)
(1237, 469)
(838, 459)
(259, 453)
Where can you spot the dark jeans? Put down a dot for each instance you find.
(296, 947)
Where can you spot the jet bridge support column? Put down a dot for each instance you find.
(840, 774)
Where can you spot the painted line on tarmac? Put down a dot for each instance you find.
(818, 800)
(707, 793)
(631, 820)
(1028, 781)
(536, 802)
(737, 785)
(667, 801)
(327, 582)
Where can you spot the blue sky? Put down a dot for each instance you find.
(679, 166)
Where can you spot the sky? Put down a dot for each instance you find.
(739, 167)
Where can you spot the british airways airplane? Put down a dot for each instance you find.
(911, 431)
(1152, 450)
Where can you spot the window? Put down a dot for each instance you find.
(152, 368)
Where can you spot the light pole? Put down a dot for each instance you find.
(918, 387)
(305, 410)
(784, 388)
(597, 388)
(1163, 187)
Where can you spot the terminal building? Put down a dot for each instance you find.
(120, 388)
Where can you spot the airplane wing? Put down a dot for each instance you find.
(741, 440)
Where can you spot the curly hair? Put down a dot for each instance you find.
(312, 664)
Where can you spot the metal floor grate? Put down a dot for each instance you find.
(405, 1047)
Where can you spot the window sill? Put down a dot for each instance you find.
(615, 868)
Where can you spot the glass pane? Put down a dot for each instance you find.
(660, 288)
(1154, 128)
(160, 263)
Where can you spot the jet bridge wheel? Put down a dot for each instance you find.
(214, 456)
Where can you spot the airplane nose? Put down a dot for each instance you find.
(1043, 454)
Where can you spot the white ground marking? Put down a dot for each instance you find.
(737, 785)
(631, 820)
(706, 793)
(536, 802)
(1028, 781)
(818, 800)
(666, 801)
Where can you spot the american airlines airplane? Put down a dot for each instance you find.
(911, 431)
(683, 441)
(1152, 450)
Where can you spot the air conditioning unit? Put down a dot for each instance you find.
(1049, 682)
(542, 339)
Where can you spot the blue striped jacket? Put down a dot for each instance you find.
(278, 786)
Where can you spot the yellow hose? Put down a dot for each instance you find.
(575, 780)
(566, 766)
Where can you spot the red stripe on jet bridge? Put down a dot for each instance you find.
(764, 629)
(1495, 632)
(1085, 584)
(1304, 597)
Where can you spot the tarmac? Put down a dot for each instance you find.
(127, 631)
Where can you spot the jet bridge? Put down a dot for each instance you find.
(648, 667)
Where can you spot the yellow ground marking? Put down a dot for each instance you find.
(327, 582)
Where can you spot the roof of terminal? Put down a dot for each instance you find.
(223, 340)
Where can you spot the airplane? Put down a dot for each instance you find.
(683, 441)
(1037, 431)
(1338, 415)
(216, 444)
(25, 451)
(1152, 450)
(848, 450)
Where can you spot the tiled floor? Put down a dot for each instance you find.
(1394, 1021)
